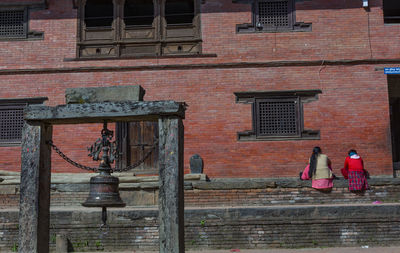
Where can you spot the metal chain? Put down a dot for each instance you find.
(78, 165)
(67, 159)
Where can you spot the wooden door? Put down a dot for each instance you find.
(136, 141)
(395, 128)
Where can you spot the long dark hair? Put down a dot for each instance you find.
(313, 160)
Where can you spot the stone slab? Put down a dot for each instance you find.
(104, 94)
(109, 111)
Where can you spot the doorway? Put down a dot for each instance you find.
(137, 141)
(394, 105)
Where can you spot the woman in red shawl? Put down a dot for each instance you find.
(354, 171)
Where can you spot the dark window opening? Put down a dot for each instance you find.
(99, 13)
(13, 24)
(277, 117)
(179, 11)
(138, 13)
(391, 11)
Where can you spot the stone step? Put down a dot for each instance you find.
(258, 227)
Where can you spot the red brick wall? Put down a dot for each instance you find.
(352, 111)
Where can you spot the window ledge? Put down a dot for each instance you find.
(141, 57)
(10, 144)
(297, 27)
(32, 35)
(251, 136)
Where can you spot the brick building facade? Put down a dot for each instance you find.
(264, 82)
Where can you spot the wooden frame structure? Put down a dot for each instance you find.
(34, 216)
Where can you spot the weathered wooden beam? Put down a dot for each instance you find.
(107, 111)
(34, 214)
(171, 199)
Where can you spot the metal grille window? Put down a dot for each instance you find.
(277, 117)
(12, 119)
(11, 122)
(274, 14)
(13, 24)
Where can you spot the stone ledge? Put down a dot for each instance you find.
(83, 178)
(344, 212)
(192, 181)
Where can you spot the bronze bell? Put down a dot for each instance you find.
(104, 190)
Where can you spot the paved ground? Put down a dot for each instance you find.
(363, 249)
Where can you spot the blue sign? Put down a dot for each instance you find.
(392, 70)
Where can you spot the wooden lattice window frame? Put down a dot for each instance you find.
(272, 16)
(12, 119)
(277, 117)
(295, 100)
(150, 40)
(13, 23)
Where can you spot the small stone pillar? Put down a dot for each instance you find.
(171, 199)
(35, 189)
(61, 243)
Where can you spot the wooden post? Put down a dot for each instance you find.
(171, 199)
(35, 189)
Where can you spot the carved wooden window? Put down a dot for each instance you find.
(136, 141)
(277, 115)
(273, 16)
(13, 24)
(12, 119)
(138, 28)
(391, 11)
